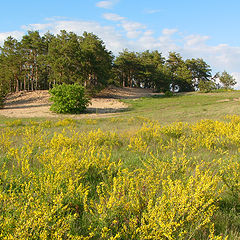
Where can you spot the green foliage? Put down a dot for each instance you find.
(96, 61)
(64, 58)
(168, 94)
(1, 99)
(128, 64)
(40, 62)
(200, 70)
(3, 93)
(179, 73)
(68, 98)
(206, 86)
(151, 70)
(141, 69)
(227, 80)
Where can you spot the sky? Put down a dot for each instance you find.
(207, 29)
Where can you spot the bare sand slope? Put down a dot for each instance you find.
(37, 104)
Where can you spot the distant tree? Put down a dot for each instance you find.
(174, 61)
(210, 84)
(11, 65)
(64, 58)
(179, 73)
(32, 47)
(96, 61)
(200, 70)
(3, 83)
(40, 62)
(183, 78)
(153, 72)
(44, 62)
(227, 80)
(207, 86)
(141, 69)
(128, 66)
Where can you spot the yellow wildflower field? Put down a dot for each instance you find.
(178, 181)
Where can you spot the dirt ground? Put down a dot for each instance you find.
(37, 103)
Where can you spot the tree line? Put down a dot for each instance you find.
(40, 62)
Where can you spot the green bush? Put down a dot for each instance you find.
(168, 94)
(206, 86)
(68, 99)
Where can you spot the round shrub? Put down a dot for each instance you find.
(68, 98)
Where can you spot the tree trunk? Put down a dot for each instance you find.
(36, 77)
(29, 81)
(24, 83)
(32, 84)
(129, 80)
(123, 80)
(15, 83)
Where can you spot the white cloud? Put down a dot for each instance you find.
(195, 40)
(168, 31)
(220, 57)
(55, 18)
(133, 29)
(112, 17)
(106, 4)
(132, 26)
(236, 75)
(37, 26)
(152, 11)
(14, 34)
(148, 33)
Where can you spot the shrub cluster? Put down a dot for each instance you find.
(68, 98)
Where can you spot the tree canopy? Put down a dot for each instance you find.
(40, 62)
(227, 80)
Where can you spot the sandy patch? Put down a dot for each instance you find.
(37, 104)
(126, 93)
(224, 100)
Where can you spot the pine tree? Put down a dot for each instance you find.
(227, 80)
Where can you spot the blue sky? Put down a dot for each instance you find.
(207, 29)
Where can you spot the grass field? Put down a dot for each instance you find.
(168, 168)
(189, 107)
